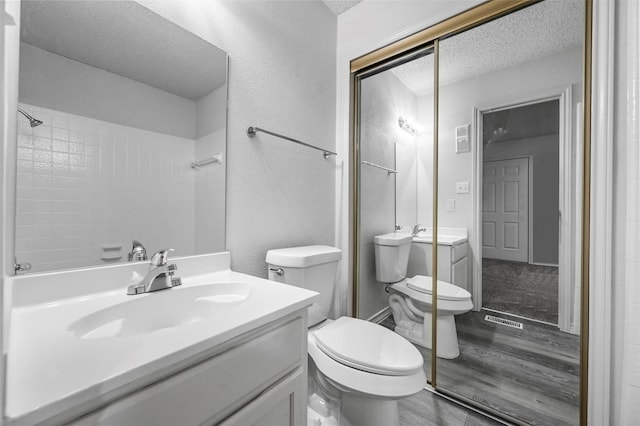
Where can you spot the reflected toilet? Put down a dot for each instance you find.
(411, 298)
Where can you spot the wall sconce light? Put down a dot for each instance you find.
(406, 126)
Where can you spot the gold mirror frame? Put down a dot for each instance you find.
(490, 10)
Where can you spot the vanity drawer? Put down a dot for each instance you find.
(213, 389)
(458, 252)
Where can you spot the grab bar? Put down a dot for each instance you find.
(389, 171)
(251, 132)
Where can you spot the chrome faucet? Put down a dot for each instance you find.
(159, 276)
(138, 252)
(416, 230)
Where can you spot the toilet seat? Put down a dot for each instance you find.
(368, 347)
(446, 291)
(352, 379)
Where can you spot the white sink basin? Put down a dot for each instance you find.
(164, 309)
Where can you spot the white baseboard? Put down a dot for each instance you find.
(380, 316)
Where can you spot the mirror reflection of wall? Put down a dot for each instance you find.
(517, 84)
(508, 97)
(127, 104)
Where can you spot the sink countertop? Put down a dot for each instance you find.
(52, 373)
(446, 236)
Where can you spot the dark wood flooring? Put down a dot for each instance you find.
(427, 409)
(530, 374)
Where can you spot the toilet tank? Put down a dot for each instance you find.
(310, 267)
(392, 256)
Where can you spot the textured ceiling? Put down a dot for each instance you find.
(127, 39)
(539, 30)
(340, 6)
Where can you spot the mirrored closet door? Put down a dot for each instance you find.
(467, 158)
(396, 189)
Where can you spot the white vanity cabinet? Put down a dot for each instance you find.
(257, 378)
(453, 261)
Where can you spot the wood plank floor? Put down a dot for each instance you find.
(531, 374)
(427, 409)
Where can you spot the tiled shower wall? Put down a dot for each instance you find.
(86, 188)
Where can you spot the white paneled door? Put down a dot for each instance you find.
(505, 209)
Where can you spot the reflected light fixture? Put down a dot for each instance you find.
(406, 126)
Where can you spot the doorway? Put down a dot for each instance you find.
(520, 205)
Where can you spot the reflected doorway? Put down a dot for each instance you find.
(520, 206)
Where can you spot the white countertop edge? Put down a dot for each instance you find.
(76, 404)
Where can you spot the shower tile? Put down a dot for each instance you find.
(43, 143)
(24, 153)
(43, 131)
(76, 136)
(59, 146)
(42, 168)
(25, 140)
(42, 156)
(60, 134)
(60, 158)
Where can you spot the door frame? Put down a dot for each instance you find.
(569, 239)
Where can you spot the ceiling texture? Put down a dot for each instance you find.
(542, 29)
(340, 6)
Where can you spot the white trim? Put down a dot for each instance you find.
(380, 316)
(553, 265)
(568, 254)
(568, 239)
(601, 222)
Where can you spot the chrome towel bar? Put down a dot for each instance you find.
(251, 132)
(389, 171)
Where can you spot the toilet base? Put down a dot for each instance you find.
(421, 333)
(358, 410)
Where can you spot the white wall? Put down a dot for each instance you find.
(85, 183)
(211, 112)
(383, 142)
(362, 29)
(281, 78)
(53, 81)
(625, 374)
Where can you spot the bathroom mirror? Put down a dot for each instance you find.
(509, 94)
(396, 141)
(132, 141)
(493, 182)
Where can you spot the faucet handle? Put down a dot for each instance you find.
(160, 257)
(138, 252)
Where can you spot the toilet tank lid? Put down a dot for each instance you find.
(302, 257)
(393, 239)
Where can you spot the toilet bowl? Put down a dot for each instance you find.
(364, 365)
(411, 299)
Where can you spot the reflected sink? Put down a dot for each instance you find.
(165, 309)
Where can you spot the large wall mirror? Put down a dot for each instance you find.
(470, 141)
(127, 136)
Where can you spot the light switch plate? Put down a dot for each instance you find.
(451, 205)
(462, 187)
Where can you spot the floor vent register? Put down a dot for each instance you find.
(508, 323)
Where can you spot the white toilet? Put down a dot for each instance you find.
(411, 299)
(365, 365)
